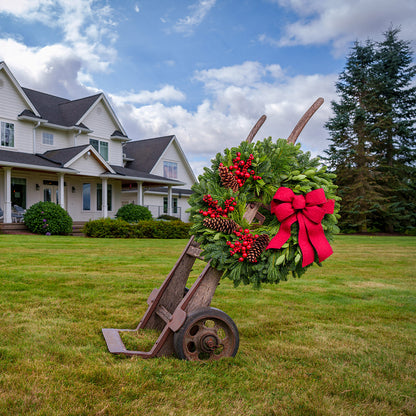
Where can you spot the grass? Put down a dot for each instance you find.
(339, 341)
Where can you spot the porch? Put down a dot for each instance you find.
(20, 228)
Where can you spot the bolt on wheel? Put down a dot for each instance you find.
(207, 334)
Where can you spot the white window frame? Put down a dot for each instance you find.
(47, 138)
(100, 144)
(9, 127)
(170, 169)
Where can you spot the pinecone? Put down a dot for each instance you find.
(228, 180)
(258, 247)
(225, 225)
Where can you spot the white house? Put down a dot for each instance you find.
(76, 153)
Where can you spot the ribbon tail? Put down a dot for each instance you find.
(308, 254)
(320, 243)
(283, 234)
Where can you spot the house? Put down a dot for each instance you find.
(77, 154)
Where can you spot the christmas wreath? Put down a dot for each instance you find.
(297, 197)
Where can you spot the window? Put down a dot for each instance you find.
(100, 197)
(174, 205)
(19, 192)
(170, 170)
(100, 147)
(47, 138)
(7, 134)
(86, 196)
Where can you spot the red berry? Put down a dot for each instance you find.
(241, 259)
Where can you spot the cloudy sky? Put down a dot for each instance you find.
(204, 70)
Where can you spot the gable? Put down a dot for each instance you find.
(13, 99)
(146, 153)
(173, 154)
(85, 159)
(100, 120)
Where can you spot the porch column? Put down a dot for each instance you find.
(61, 190)
(7, 209)
(169, 200)
(104, 198)
(139, 193)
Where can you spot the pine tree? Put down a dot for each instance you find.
(352, 137)
(395, 109)
(373, 136)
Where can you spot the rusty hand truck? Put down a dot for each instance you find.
(188, 326)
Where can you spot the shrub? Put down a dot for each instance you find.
(167, 217)
(48, 218)
(109, 228)
(133, 213)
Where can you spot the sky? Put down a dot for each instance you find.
(203, 70)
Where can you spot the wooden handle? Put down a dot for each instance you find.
(304, 120)
(256, 128)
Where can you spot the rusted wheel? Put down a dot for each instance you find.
(207, 334)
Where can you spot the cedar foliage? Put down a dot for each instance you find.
(373, 149)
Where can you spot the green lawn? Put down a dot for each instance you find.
(339, 341)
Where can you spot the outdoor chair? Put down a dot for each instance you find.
(17, 214)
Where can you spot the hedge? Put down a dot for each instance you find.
(116, 228)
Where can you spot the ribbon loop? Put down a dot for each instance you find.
(308, 211)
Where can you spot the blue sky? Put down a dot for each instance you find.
(204, 70)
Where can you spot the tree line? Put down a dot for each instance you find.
(373, 137)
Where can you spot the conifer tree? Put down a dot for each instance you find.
(352, 139)
(373, 149)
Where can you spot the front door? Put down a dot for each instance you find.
(50, 194)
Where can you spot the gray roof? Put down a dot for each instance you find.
(120, 170)
(58, 110)
(63, 156)
(27, 159)
(146, 152)
(174, 190)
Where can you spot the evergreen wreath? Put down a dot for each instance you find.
(260, 172)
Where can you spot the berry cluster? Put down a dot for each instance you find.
(243, 245)
(242, 169)
(214, 211)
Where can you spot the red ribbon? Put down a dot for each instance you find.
(308, 211)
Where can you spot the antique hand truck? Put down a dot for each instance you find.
(188, 325)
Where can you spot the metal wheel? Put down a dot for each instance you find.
(207, 334)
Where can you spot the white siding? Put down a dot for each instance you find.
(61, 139)
(11, 105)
(100, 121)
(87, 166)
(172, 154)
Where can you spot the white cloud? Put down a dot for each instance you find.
(340, 21)
(226, 118)
(165, 94)
(199, 10)
(86, 45)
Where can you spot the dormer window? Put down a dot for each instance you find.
(7, 134)
(101, 147)
(170, 170)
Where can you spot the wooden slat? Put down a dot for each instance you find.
(163, 313)
(114, 343)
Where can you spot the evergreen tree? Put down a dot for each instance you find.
(395, 108)
(373, 149)
(352, 139)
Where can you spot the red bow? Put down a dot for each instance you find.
(308, 210)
